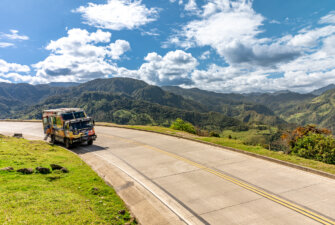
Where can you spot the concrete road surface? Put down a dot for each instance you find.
(194, 183)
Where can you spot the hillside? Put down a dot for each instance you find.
(138, 90)
(119, 100)
(123, 109)
(130, 101)
(322, 90)
(62, 198)
(320, 110)
(26, 93)
(280, 102)
(234, 105)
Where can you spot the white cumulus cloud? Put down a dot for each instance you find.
(8, 71)
(329, 18)
(14, 35)
(6, 44)
(172, 69)
(192, 7)
(118, 48)
(81, 56)
(231, 28)
(117, 14)
(6, 67)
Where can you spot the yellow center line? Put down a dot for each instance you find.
(247, 186)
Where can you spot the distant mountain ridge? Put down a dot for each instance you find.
(63, 84)
(234, 105)
(115, 98)
(320, 110)
(322, 90)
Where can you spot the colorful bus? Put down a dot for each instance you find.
(69, 126)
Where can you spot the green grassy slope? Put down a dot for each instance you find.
(77, 197)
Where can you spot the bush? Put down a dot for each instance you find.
(182, 125)
(316, 146)
(261, 127)
(214, 134)
(311, 142)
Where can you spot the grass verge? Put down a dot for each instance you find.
(77, 197)
(238, 144)
(328, 168)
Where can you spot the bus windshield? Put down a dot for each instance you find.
(79, 114)
(73, 115)
(81, 125)
(67, 116)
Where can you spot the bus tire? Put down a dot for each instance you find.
(52, 139)
(90, 142)
(67, 143)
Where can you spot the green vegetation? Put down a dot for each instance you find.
(182, 125)
(238, 106)
(133, 102)
(108, 107)
(316, 146)
(25, 101)
(77, 197)
(320, 110)
(226, 142)
(312, 143)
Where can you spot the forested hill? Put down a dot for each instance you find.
(319, 110)
(126, 100)
(26, 93)
(301, 109)
(123, 109)
(137, 90)
(235, 105)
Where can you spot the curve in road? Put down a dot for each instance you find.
(207, 185)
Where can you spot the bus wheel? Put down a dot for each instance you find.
(67, 143)
(90, 142)
(52, 139)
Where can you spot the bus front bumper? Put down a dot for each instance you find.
(84, 139)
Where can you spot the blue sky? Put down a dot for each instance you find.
(219, 45)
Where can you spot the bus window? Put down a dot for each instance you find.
(79, 114)
(67, 116)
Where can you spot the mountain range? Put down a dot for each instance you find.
(130, 101)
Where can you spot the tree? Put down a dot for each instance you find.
(312, 143)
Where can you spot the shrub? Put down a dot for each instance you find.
(292, 137)
(316, 146)
(182, 125)
(261, 127)
(214, 134)
(312, 143)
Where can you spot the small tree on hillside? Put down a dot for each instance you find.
(312, 143)
(182, 125)
(290, 138)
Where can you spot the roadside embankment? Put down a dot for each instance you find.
(43, 193)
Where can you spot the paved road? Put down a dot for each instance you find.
(203, 184)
